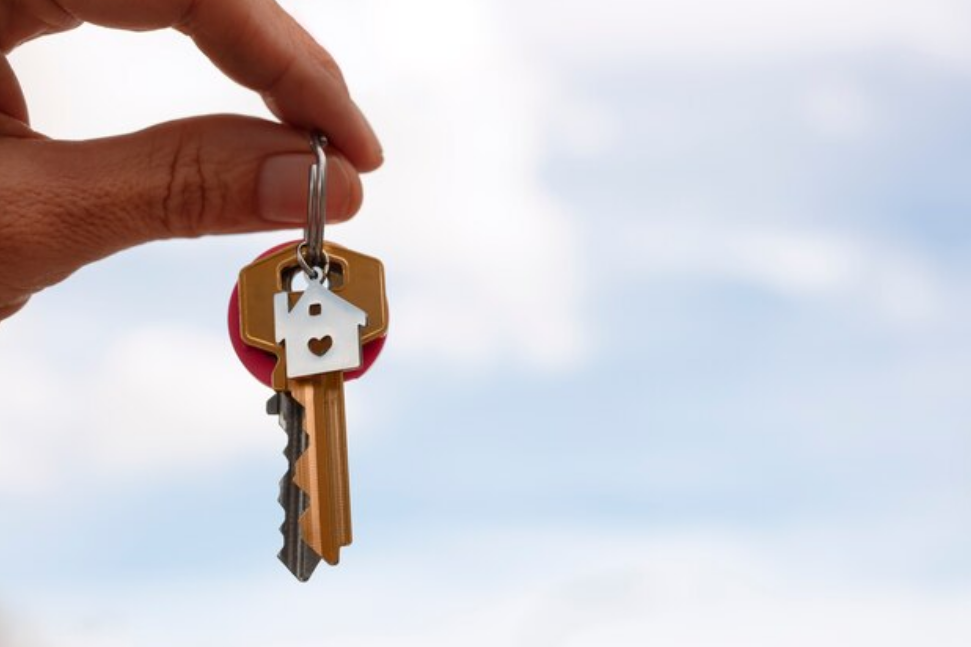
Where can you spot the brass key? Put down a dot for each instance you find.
(322, 469)
(309, 333)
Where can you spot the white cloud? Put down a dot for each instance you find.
(881, 278)
(839, 109)
(165, 398)
(152, 402)
(38, 402)
(95, 82)
(160, 400)
(711, 33)
(483, 255)
(541, 586)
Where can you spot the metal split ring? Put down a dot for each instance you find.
(310, 252)
(314, 272)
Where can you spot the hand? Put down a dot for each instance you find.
(66, 204)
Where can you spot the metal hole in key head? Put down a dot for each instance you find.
(296, 280)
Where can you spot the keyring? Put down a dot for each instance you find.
(310, 252)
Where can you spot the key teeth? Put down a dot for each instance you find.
(273, 405)
(299, 558)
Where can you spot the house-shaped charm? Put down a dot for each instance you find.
(321, 333)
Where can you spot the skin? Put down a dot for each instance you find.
(185, 178)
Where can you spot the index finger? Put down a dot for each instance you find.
(258, 44)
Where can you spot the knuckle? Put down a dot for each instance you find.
(321, 57)
(186, 21)
(193, 196)
(332, 68)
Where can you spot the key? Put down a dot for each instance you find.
(322, 468)
(308, 333)
(296, 554)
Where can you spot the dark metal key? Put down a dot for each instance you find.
(296, 555)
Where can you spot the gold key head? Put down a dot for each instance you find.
(355, 277)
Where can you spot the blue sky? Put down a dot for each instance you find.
(679, 351)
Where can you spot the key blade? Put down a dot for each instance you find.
(299, 558)
(321, 471)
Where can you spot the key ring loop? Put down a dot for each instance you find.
(314, 272)
(310, 252)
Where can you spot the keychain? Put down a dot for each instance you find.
(305, 345)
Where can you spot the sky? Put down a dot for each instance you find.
(679, 354)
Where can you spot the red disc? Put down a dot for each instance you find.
(261, 363)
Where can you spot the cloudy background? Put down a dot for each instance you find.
(681, 346)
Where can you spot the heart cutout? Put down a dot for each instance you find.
(320, 345)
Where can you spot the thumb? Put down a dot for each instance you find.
(66, 204)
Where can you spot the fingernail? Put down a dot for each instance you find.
(284, 183)
(283, 187)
